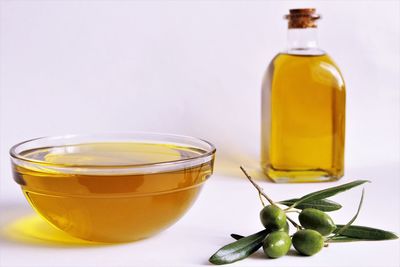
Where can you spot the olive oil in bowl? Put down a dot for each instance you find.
(112, 191)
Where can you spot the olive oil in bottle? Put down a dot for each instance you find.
(303, 109)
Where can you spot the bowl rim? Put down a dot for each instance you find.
(17, 156)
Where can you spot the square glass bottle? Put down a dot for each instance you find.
(303, 109)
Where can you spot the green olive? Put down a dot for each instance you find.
(317, 220)
(285, 228)
(277, 244)
(308, 242)
(273, 218)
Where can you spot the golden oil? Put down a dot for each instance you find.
(107, 205)
(303, 111)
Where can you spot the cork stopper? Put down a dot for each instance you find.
(302, 18)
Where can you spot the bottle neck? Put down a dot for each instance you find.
(303, 41)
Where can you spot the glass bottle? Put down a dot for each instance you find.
(303, 109)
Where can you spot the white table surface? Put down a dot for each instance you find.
(193, 68)
(228, 204)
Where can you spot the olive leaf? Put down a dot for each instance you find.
(239, 249)
(342, 238)
(363, 233)
(352, 219)
(322, 194)
(236, 236)
(319, 204)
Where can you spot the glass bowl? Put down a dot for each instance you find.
(112, 187)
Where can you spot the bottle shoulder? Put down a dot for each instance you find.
(285, 60)
(285, 65)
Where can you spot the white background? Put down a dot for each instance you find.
(194, 68)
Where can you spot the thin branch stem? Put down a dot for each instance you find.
(259, 189)
(293, 223)
(261, 192)
(261, 199)
(292, 211)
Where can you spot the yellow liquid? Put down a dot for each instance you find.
(303, 119)
(109, 206)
